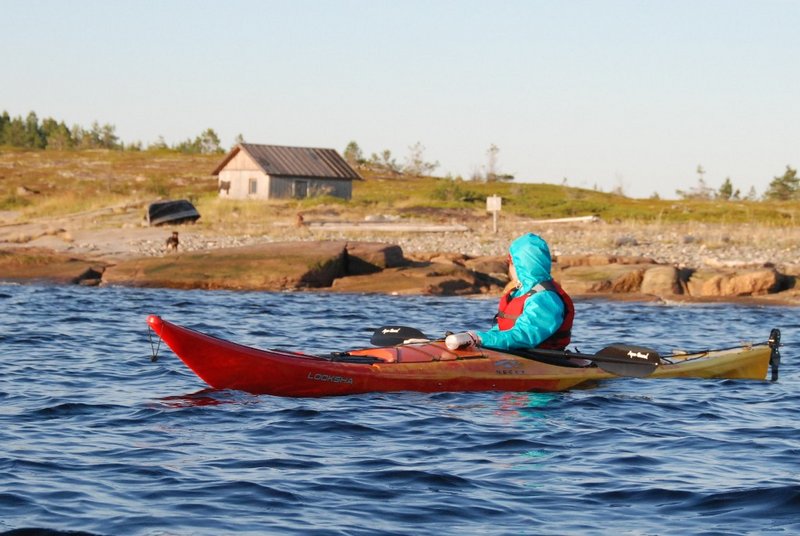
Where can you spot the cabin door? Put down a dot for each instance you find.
(300, 189)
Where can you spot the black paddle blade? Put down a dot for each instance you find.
(624, 360)
(394, 335)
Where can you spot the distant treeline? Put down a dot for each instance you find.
(30, 133)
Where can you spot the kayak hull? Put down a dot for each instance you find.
(423, 367)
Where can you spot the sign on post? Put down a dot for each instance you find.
(493, 205)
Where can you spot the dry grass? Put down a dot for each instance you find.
(66, 182)
(70, 182)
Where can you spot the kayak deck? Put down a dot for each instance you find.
(424, 367)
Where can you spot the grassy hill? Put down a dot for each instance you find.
(44, 183)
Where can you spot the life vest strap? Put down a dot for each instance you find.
(545, 285)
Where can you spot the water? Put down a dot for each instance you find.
(96, 438)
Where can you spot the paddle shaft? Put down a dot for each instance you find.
(599, 356)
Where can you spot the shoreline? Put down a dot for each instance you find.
(598, 259)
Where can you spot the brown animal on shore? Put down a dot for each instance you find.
(172, 242)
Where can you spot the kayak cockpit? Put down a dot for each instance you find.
(415, 353)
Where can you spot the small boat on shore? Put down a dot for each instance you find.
(172, 212)
(428, 366)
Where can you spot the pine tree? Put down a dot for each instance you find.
(34, 138)
(784, 188)
(4, 120)
(14, 133)
(353, 154)
(726, 190)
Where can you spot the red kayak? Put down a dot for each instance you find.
(429, 366)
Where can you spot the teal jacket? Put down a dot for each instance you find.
(544, 311)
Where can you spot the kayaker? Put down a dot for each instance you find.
(534, 311)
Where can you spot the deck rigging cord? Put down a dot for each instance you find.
(154, 348)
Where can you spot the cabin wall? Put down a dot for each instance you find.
(234, 181)
(301, 187)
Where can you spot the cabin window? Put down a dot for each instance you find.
(252, 187)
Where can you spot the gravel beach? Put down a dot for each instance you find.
(684, 245)
(681, 245)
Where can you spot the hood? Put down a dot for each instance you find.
(531, 258)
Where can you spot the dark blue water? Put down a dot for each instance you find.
(96, 438)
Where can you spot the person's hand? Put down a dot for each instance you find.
(462, 340)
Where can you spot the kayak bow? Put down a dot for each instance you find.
(427, 367)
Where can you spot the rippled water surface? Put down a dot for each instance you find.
(96, 438)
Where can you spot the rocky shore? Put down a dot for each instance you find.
(643, 262)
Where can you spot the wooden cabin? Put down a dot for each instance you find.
(254, 171)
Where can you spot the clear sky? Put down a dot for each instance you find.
(630, 94)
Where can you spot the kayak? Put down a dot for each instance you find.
(428, 366)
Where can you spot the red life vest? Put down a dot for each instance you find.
(509, 309)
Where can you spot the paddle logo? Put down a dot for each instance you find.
(638, 355)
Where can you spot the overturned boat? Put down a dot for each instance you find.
(172, 212)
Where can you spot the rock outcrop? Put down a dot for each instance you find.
(270, 266)
(434, 278)
(735, 283)
(351, 266)
(38, 264)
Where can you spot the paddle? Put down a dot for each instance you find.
(619, 359)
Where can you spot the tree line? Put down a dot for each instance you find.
(49, 133)
(784, 187)
(415, 164)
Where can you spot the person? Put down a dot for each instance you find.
(534, 311)
(172, 242)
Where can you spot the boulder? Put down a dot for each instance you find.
(753, 283)
(626, 240)
(714, 283)
(488, 264)
(661, 281)
(628, 282)
(370, 257)
(611, 278)
(492, 270)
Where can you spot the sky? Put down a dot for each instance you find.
(626, 95)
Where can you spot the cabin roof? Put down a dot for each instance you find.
(279, 160)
